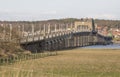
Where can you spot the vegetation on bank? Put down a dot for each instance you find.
(8, 49)
(70, 63)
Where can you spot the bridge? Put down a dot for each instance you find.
(52, 37)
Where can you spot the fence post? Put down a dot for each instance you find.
(11, 59)
(1, 61)
(37, 55)
(25, 57)
(40, 55)
(6, 60)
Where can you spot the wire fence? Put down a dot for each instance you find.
(13, 59)
(7, 69)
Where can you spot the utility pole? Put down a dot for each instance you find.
(64, 26)
(22, 30)
(10, 25)
(49, 31)
(32, 30)
(4, 31)
(67, 27)
(19, 31)
(40, 29)
(71, 27)
(44, 30)
(55, 27)
(60, 27)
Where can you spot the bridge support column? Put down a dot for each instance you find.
(92, 40)
(83, 40)
(65, 43)
(87, 40)
(68, 43)
(72, 42)
(78, 41)
(75, 41)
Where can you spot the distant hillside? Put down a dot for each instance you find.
(109, 23)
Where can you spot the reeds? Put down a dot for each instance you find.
(71, 63)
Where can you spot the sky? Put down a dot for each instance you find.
(35, 10)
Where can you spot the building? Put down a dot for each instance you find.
(85, 25)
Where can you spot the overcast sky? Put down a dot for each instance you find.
(55, 9)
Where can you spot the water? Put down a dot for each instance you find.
(111, 46)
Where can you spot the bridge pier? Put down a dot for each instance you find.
(75, 41)
(78, 41)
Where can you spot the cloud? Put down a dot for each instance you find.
(9, 12)
(49, 12)
(15, 15)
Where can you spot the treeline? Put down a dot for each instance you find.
(27, 24)
(108, 23)
(17, 26)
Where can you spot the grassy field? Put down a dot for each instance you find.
(69, 63)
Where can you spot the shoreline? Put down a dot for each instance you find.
(116, 42)
(110, 46)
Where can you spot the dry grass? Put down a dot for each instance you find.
(70, 63)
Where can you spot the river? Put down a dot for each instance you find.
(111, 46)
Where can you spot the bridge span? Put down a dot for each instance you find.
(81, 33)
(52, 36)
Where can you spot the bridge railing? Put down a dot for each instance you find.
(40, 36)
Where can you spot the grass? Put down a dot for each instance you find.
(69, 63)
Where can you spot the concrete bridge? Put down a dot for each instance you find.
(80, 33)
